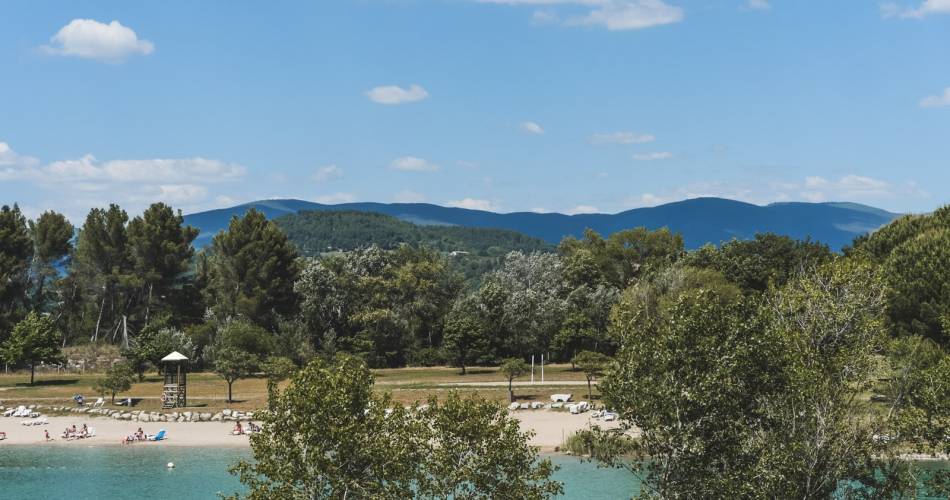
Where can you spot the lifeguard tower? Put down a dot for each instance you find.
(175, 368)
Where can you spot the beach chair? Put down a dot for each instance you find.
(99, 402)
(158, 437)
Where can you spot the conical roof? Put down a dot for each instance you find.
(175, 356)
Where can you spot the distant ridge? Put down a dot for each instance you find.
(699, 220)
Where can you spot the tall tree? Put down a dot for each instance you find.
(330, 435)
(476, 450)
(16, 248)
(103, 268)
(254, 271)
(52, 243)
(464, 341)
(161, 252)
(34, 340)
(740, 401)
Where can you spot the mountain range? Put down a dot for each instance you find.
(699, 220)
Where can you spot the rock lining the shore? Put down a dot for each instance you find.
(227, 415)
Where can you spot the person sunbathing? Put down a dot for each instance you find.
(252, 427)
(84, 433)
(238, 430)
(3, 435)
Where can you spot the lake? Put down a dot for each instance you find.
(139, 472)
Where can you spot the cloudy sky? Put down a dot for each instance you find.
(506, 105)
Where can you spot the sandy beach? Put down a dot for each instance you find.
(550, 429)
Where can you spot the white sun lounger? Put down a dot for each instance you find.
(99, 402)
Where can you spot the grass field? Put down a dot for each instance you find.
(208, 392)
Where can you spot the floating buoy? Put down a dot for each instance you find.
(171, 465)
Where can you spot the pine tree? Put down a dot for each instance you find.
(254, 269)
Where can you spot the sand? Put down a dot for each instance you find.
(550, 428)
(111, 432)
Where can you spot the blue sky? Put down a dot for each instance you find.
(507, 105)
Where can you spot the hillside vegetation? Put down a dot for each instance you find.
(475, 250)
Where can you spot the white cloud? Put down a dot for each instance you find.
(473, 204)
(758, 4)
(86, 182)
(11, 159)
(583, 209)
(621, 138)
(152, 171)
(409, 197)
(936, 101)
(90, 39)
(532, 128)
(334, 198)
(659, 155)
(615, 15)
(393, 94)
(413, 164)
(327, 173)
(927, 8)
(856, 188)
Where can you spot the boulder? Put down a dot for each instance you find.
(204, 417)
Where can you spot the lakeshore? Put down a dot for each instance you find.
(550, 428)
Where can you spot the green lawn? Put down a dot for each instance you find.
(208, 391)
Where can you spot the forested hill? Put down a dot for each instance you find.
(318, 232)
(700, 221)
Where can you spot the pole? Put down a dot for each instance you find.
(532, 368)
(542, 368)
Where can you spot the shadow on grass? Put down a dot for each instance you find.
(47, 383)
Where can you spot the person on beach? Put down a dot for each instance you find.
(252, 427)
(3, 435)
(238, 430)
(85, 432)
(46, 433)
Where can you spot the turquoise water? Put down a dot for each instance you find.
(139, 472)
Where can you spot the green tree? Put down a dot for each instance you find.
(475, 450)
(464, 339)
(33, 340)
(153, 344)
(161, 252)
(277, 369)
(329, 435)
(118, 378)
(511, 369)
(621, 258)
(254, 269)
(593, 365)
(750, 399)
(919, 285)
(52, 236)
(16, 248)
(767, 259)
(103, 269)
(233, 364)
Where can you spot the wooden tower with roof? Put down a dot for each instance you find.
(175, 368)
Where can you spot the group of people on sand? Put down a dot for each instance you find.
(138, 435)
(73, 433)
(239, 430)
